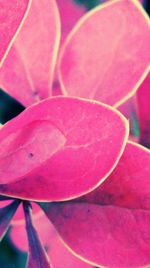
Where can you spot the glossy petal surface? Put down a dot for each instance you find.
(97, 63)
(112, 219)
(59, 148)
(12, 15)
(143, 98)
(28, 70)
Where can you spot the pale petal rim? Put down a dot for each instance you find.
(78, 255)
(126, 126)
(75, 29)
(16, 34)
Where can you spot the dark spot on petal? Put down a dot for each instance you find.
(30, 155)
(35, 93)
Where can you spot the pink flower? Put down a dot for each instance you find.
(69, 155)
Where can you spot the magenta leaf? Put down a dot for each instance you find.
(110, 226)
(97, 63)
(12, 16)
(37, 254)
(27, 73)
(6, 215)
(62, 147)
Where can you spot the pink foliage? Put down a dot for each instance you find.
(60, 140)
(68, 155)
(12, 16)
(114, 218)
(97, 63)
(57, 252)
(27, 73)
(70, 13)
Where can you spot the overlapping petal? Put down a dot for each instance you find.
(37, 254)
(110, 226)
(27, 73)
(106, 56)
(58, 253)
(62, 147)
(70, 13)
(12, 16)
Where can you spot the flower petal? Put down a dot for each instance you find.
(70, 13)
(58, 253)
(143, 97)
(62, 147)
(37, 254)
(12, 16)
(28, 71)
(97, 63)
(110, 226)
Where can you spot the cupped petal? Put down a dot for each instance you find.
(143, 99)
(27, 73)
(58, 253)
(110, 226)
(106, 56)
(12, 16)
(60, 148)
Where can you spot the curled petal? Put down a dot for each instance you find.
(112, 219)
(28, 70)
(62, 147)
(12, 16)
(97, 63)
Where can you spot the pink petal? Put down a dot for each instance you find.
(127, 186)
(12, 16)
(70, 13)
(107, 54)
(143, 97)
(62, 147)
(28, 71)
(37, 256)
(110, 226)
(18, 218)
(57, 252)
